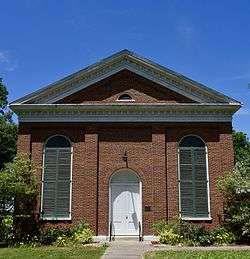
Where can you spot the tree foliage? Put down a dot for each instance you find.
(241, 146)
(3, 97)
(18, 190)
(235, 186)
(17, 186)
(8, 129)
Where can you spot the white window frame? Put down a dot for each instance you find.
(70, 197)
(128, 100)
(208, 184)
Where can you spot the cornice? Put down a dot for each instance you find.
(125, 112)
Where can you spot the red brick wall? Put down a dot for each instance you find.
(152, 153)
(140, 89)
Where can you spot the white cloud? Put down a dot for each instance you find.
(6, 62)
(4, 57)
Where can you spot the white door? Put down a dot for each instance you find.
(125, 204)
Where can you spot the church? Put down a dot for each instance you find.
(125, 143)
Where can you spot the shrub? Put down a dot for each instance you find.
(194, 234)
(221, 236)
(6, 227)
(169, 232)
(190, 234)
(81, 234)
(168, 236)
(61, 241)
(160, 226)
(51, 235)
(80, 227)
(167, 225)
(83, 237)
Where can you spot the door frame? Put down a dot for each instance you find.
(122, 184)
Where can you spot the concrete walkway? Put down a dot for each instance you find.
(132, 249)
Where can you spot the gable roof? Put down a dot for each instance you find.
(125, 59)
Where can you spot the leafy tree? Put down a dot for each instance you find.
(18, 190)
(17, 183)
(8, 129)
(241, 146)
(235, 186)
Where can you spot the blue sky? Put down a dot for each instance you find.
(208, 41)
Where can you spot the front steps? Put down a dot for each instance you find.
(125, 238)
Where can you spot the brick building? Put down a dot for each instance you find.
(125, 143)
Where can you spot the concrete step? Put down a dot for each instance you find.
(126, 238)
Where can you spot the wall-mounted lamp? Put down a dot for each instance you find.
(125, 157)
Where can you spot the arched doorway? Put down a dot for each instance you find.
(125, 203)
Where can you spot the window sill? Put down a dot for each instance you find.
(132, 100)
(197, 219)
(54, 218)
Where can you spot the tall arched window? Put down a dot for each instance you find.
(56, 185)
(193, 179)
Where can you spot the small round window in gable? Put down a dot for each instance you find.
(125, 97)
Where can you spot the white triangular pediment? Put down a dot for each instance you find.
(125, 60)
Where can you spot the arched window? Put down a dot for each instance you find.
(193, 179)
(56, 185)
(125, 97)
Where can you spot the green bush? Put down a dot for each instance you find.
(168, 236)
(160, 226)
(80, 227)
(221, 236)
(62, 241)
(6, 228)
(177, 231)
(194, 234)
(81, 234)
(83, 237)
(167, 225)
(51, 235)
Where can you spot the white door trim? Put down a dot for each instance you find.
(121, 184)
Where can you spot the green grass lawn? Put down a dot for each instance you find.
(52, 252)
(198, 254)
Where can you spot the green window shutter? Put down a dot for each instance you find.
(63, 183)
(56, 183)
(186, 183)
(49, 183)
(193, 182)
(200, 178)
